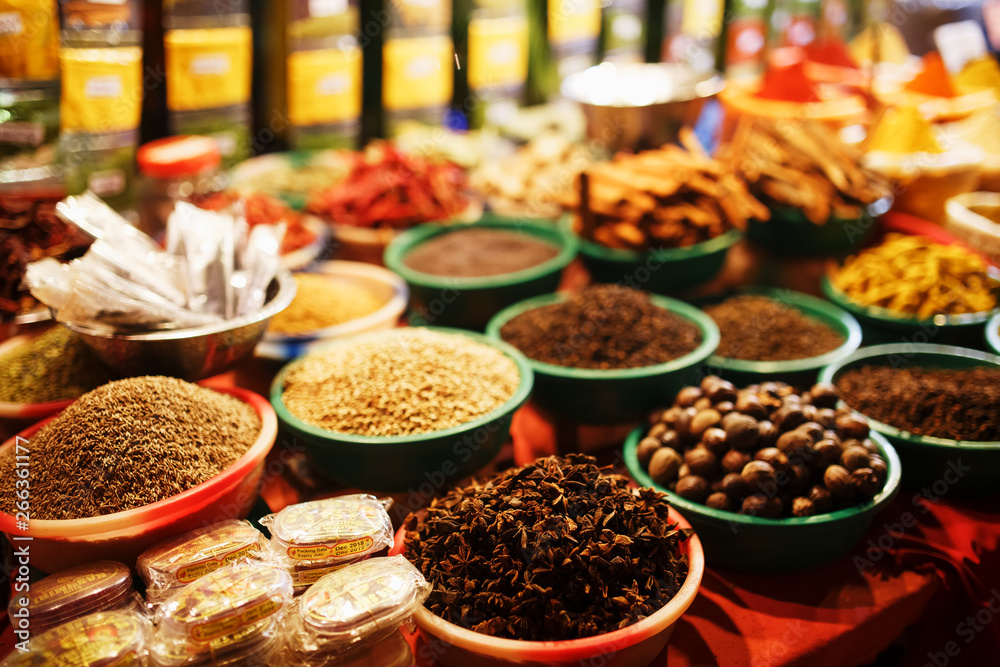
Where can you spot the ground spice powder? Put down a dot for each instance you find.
(477, 253)
(128, 444)
(758, 328)
(55, 366)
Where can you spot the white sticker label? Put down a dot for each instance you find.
(333, 84)
(320, 8)
(11, 24)
(420, 67)
(107, 183)
(104, 86)
(212, 64)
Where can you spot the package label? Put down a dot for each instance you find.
(324, 86)
(208, 68)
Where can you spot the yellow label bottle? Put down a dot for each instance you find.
(498, 52)
(207, 68)
(101, 89)
(417, 73)
(324, 86)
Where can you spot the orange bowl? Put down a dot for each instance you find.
(58, 544)
(636, 645)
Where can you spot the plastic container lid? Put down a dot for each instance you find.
(173, 157)
(98, 640)
(76, 592)
(183, 559)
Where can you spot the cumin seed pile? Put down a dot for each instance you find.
(128, 444)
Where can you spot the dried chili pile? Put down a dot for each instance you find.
(386, 188)
(29, 231)
(555, 550)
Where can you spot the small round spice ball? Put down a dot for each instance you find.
(795, 443)
(703, 403)
(812, 429)
(823, 395)
(715, 439)
(799, 477)
(825, 453)
(803, 507)
(703, 421)
(734, 461)
(768, 433)
(826, 417)
(720, 501)
(866, 482)
(854, 458)
(647, 447)
(670, 416)
(870, 445)
(664, 465)
(672, 440)
(758, 474)
(754, 505)
(879, 467)
(702, 462)
(821, 498)
(734, 486)
(852, 426)
(788, 417)
(839, 481)
(831, 434)
(683, 425)
(687, 396)
(657, 430)
(742, 432)
(693, 488)
(748, 404)
(725, 407)
(719, 390)
(772, 456)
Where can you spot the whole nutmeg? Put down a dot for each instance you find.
(725, 407)
(809, 412)
(821, 498)
(799, 477)
(803, 507)
(749, 404)
(773, 508)
(720, 501)
(703, 421)
(693, 488)
(715, 439)
(870, 445)
(670, 415)
(754, 505)
(854, 458)
(687, 396)
(879, 467)
(657, 430)
(824, 395)
(788, 417)
(866, 482)
(684, 470)
(707, 382)
(768, 433)
(742, 432)
(716, 486)
(644, 452)
(656, 416)
(664, 465)
(831, 434)
(734, 461)
(703, 403)
(772, 456)
(827, 452)
(683, 425)
(839, 481)
(702, 462)
(672, 440)
(720, 391)
(813, 429)
(826, 417)
(735, 486)
(759, 475)
(852, 426)
(795, 444)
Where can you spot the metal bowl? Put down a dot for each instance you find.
(193, 353)
(639, 105)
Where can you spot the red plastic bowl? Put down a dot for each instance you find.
(634, 646)
(122, 536)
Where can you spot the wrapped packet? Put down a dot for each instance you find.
(227, 617)
(175, 563)
(315, 538)
(104, 639)
(354, 608)
(71, 594)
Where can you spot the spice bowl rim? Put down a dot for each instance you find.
(821, 310)
(707, 328)
(168, 507)
(411, 239)
(881, 499)
(599, 252)
(396, 303)
(520, 395)
(912, 350)
(28, 410)
(890, 317)
(572, 649)
(993, 333)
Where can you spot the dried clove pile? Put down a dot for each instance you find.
(558, 549)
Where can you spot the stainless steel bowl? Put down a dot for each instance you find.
(639, 105)
(193, 353)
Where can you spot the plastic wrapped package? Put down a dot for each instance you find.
(354, 608)
(71, 594)
(174, 563)
(228, 617)
(104, 639)
(315, 538)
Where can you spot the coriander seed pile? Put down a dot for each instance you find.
(410, 381)
(128, 444)
(55, 366)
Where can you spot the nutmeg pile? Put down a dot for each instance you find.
(766, 450)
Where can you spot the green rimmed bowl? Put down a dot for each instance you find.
(930, 462)
(469, 303)
(754, 544)
(881, 325)
(796, 372)
(662, 271)
(594, 396)
(789, 231)
(404, 463)
(993, 333)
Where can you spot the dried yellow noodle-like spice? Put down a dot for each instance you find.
(324, 301)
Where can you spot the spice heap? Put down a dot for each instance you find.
(323, 301)
(785, 79)
(802, 165)
(55, 366)
(388, 189)
(665, 198)
(534, 180)
(759, 328)
(764, 451)
(409, 381)
(602, 326)
(128, 444)
(262, 209)
(29, 231)
(913, 275)
(479, 252)
(933, 78)
(555, 550)
(942, 403)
